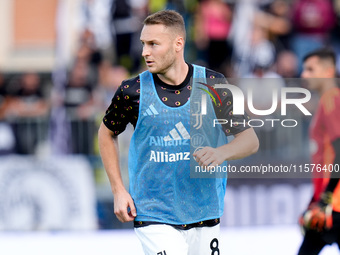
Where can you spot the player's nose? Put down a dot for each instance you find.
(146, 51)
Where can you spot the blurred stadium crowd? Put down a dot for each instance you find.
(59, 112)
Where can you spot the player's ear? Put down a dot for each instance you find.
(179, 43)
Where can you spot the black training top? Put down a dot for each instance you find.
(124, 107)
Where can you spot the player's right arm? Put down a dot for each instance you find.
(121, 111)
(124, 207)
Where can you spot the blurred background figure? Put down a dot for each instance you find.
(274, 16)
(264, 27)
(287, 64)
(80, 109)
(126, 23)
(110, 77)
(213, 22)
(312, 22)
(3, 96)
(263, 83)
(89, 54)
(29, 108)
(7, 140)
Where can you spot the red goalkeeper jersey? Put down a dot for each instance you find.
(325, 129)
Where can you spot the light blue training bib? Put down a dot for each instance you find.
(160, 160)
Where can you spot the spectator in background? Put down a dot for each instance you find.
(29, 100)
(286, 64)
(28, 108)
(263, 52)
(275, 18)
(250, 36)
(335, 33)
(213, 22)
(89, 53)
(3, 97)
(7, 140)
(312, 22)
(263, 83)
(95, 17)
(287, 68)
(126, 22)
(110, 78)
(80, 109)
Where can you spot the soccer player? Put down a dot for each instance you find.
(321, 220)
(172, 213)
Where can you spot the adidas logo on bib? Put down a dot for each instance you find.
(181, 134)
(151, 111)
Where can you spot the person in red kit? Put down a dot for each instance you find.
(321, 220)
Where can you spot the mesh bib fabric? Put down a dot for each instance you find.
(159, 163)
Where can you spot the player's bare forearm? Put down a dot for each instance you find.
(109, 152)
(124, 207)
(244, 144)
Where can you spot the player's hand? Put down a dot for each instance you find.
(208, 156)
(318, 216)
(124, 207)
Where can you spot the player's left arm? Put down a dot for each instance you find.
(245, 140)
(244, 144)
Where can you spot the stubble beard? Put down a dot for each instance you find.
(164, 64)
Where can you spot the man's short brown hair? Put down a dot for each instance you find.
(323, 54)
(168, 18)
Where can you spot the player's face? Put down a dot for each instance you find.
(312, 72)
(158, 48)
